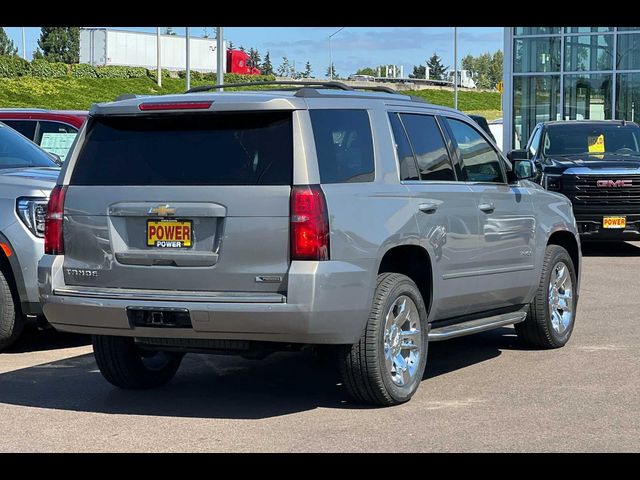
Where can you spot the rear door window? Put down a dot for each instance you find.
(253, 148)
(406, 159)
(25, 127)
(428, 145)
(344, 145)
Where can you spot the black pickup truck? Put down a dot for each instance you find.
(596, 163)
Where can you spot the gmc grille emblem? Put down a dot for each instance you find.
(614, 183)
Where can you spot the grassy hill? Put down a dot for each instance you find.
(80, 93)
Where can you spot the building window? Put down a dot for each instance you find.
(587, 29)
(536, 55)
(627, 29)
(588, 52)
(587, 97)
(535, 99)
(536, 30)
(628, 46)
(628, 96)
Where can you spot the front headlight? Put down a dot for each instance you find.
(32, 212)
(551, 182)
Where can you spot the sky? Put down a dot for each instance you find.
(352, 48)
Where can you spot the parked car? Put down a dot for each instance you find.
(27, 175)
(596, 164)
(53, 130)
(250, 222)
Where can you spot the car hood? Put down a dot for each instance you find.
(43, 178)
(598, 162)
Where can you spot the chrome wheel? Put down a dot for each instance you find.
(561, 297)
(402, 341)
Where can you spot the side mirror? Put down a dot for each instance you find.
(56, 158)
(524, 169)
(515, 155)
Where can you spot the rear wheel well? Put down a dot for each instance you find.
(567, 241)
(414, 262)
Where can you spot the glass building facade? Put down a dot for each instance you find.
(555, 73)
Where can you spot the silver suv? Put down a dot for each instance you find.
(27, 175)
(248, 222)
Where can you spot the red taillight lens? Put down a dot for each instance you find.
(309, 224)
(151, 106)
(53, 242)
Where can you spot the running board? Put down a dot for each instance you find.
(475, 326)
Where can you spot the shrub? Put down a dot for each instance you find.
(43, 68)
(118, 71)
(11, 67)
(153, 73)
(83, 70)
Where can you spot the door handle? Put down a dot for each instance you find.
(487, 207)
(428, 207)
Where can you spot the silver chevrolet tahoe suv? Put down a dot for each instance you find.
(27, 175)
(368, 224)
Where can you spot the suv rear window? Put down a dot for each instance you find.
(344, 145)
(253, 148)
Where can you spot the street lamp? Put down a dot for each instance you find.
(330, 60)
(455, 67)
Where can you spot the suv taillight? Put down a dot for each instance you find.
(53, 242)
(309, 224)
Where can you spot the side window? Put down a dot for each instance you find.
(55, 137)
(408, 169)
(480, 162)
(429, 147)
(535, 141)
(344, 145)
(25, 127)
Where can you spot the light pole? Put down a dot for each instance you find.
(188, 73)
(455, 67)
(330, 60)
(221, 53)
(158, 55)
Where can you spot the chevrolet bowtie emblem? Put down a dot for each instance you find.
(162, 210)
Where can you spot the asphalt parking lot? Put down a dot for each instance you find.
(480, 393)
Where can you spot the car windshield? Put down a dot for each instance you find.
(17, 152)
(597, 139)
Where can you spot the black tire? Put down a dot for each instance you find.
(537, 330)
(126, 366)
(364, 373)
(11, 324)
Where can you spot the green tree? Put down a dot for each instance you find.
(254, 58)
(331, 72)
(169, 31)
(205, 32)
(436, 67)
(419, 71)
(59, 44)
(366, 71)
(284, 69)
(6, 45)
(230, 45)
(486, 69)
(267, 68)
(307, 70)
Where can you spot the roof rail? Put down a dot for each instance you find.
(302, 83)
(378, 89)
